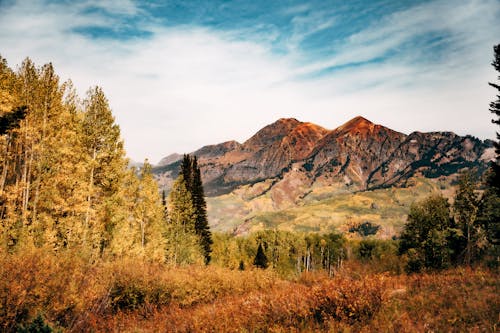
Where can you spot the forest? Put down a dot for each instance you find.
(88, 243)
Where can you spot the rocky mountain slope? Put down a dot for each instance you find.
(300, 176)
(358, 155)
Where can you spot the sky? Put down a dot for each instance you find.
(183, 74)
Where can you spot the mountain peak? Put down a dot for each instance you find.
(356, 124)
(273, 132)
(287, 121)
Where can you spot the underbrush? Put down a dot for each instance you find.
(67, 293)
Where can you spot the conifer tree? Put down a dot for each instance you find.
(192, 176)
(489, 210)
(201, 226)
(187, 171)
(260, 260)
(494, 180)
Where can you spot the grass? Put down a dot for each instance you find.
(73, 295)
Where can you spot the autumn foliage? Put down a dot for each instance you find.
(133, 295)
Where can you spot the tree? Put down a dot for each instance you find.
(41, 185)
(425, 237)
(142, 233)
(494, 179)
(466, 208)
(201, 225)
(106, 169)
(260, 260)
(12, 119)
(183, 245)
(192, 177)
(489, 207)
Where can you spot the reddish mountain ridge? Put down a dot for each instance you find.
(292, 156)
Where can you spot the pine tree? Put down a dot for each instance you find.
(489, 210)
(201, 226)
(260, 260)
(192, 176)
(494, 180)
(186, 171)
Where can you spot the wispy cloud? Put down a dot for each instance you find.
(420, 68)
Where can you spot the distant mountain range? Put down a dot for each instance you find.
(360, 155)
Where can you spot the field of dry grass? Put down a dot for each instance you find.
(130, 296)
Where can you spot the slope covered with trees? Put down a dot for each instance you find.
(64, 180)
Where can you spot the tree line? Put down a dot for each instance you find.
(65, 182)
(438, 234)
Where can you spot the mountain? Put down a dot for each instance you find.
(267, 154)
(359, 154)
(289, 164)
(172, 158)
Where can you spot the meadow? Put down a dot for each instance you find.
(67, 293)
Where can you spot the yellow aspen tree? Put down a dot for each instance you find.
(106, 168)
(182, 243)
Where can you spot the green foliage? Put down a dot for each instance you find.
(37, 325)
(365, 229)
(287, 253)
(489, 206)
(489, 216)
(466, 208)
(260, 260)
(427, 234)
(192, 177)
(367, 249)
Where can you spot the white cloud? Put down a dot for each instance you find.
(186, 87)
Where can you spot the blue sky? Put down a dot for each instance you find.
(182, 74)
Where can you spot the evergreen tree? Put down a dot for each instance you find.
(489, 208)
(187, 171)
(494, 179)
(201, 226)
(260, 260)
(192, 176)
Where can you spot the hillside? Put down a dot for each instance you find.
(293, 175)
